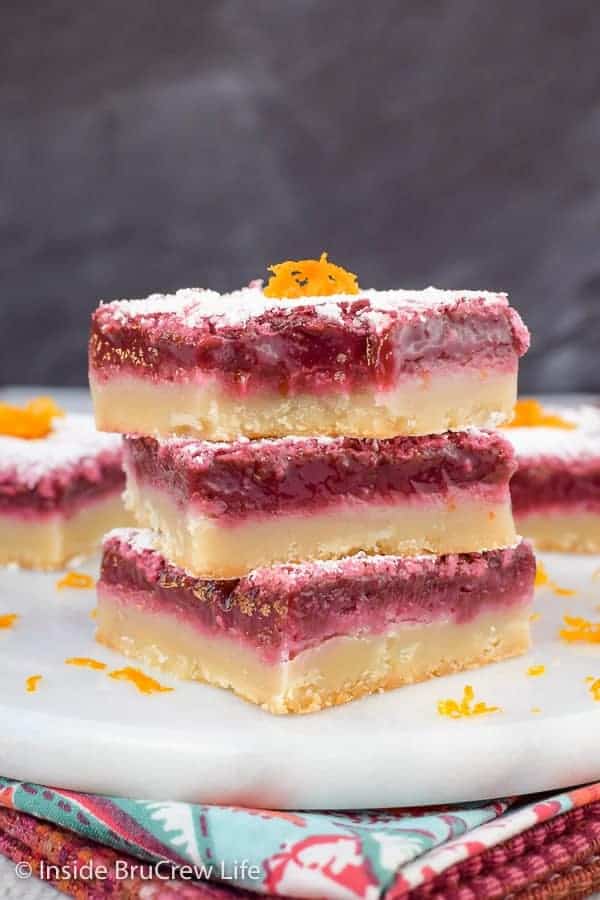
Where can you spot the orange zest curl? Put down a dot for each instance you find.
(143, 683)
(541, 576)
(465, 708)
(536, 671)
(8, 620)
(561, 591)
(32, 683)
(594, 687)
(580, 630)
(77, 580)
(309, 278)
(531, 414)
(85, 662)
(32, 421)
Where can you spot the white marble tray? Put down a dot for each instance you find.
(85, 731)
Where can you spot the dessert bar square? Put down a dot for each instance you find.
(60, 493)
(223, 509)
(297, 638)
(556, 489)
(373, 364)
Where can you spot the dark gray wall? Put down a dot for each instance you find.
(148, 146)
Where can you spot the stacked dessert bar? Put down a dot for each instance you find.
(60, 485)
(321, 514)
(556, 489)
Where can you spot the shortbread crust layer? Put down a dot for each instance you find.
(50, 541)
(448, 401)
(268, 635)
(210, 548)
(337, 671)
(562, 530)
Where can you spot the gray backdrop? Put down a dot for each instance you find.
(153, 145)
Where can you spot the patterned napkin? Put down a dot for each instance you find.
(485, 849)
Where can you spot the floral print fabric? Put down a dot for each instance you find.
(368, 854)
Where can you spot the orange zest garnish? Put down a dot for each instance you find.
(580, 630)
(542, 579)
(535, 671)
(85, 662)
(309, 278)
(34, 420)
(8, 620)
(531, 414)
(465, 708)
(78, 580)
(31, 684)
(143, 683)
(541, 576)
(594, 687)
(562, 592)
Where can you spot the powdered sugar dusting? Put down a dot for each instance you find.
(351, 565)
(72, 440)
(192, 306)
(583, 441)
(204, 451)
(159, 304)
(199, 451)
(139, 540)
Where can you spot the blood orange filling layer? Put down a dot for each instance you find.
(554, 484)
(311, 345)
(248, 479)
(62, 492)
(283, 610)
